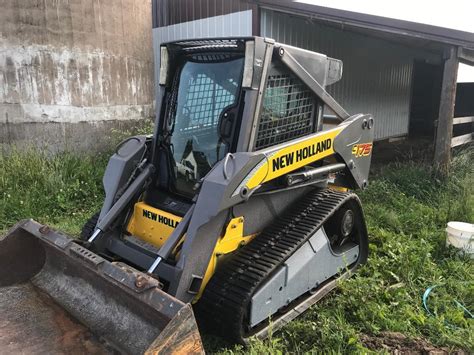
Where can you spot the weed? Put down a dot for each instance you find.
(141, 127)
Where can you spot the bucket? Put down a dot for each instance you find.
(57, 297)
(461, 236)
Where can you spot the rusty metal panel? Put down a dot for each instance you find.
(377, 73)
(33, 323)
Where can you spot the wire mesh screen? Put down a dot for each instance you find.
(287, 112)
(205, 101)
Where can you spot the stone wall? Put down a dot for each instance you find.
(71, 70)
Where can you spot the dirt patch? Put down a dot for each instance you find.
(32, 323)
(74, 338)
(397, 343)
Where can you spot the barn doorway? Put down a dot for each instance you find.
(425, 98)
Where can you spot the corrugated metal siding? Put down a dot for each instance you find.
(234, 24)
(231, 25)
(171, 12)
(377, 74)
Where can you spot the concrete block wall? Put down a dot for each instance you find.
(72, 70)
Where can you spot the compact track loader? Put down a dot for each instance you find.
(237, 210)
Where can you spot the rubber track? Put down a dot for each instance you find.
(224, 304)
(89, 226)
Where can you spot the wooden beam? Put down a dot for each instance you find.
(444, 131)
(466, 56)
(461, 120)
(460, 140)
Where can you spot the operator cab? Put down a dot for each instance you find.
(201, 113)
(206, 88)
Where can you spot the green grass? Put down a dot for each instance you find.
(406, 206)
(61, 190)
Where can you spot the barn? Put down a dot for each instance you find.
(403, 73)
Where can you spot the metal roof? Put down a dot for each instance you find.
(372, 22)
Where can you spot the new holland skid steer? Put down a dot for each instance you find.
(236, 210)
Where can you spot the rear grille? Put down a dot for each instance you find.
(210, 57)
(287, 111)
(210, 45)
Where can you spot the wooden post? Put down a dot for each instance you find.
(444, 131)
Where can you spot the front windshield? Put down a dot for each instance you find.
(205, 90)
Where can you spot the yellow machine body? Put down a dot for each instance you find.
(154, 226)
(293, 156)
(151, 224)
(233, 239)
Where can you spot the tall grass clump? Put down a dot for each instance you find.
(62, 190)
